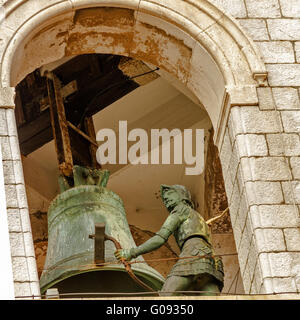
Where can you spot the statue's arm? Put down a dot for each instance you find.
(169, 226)
(152, 244)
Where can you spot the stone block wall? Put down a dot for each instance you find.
(261, 152)
(21, 245)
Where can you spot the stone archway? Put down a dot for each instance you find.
(192, 40)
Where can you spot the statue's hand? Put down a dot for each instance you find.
(123, 254)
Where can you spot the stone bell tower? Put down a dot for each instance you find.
(231, 68)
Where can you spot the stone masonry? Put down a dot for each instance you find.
(22, 251)
(259, 150)
(263, 182)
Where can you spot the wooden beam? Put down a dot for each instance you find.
(95, 67)
(60, 126)
(90, 129)
(96, 90)
(19, 113)
(110, 96)
(31, 129)
(35, 142)
(87, 90)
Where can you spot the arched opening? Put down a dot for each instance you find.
(189, 57)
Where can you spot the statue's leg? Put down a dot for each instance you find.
(176, 283)
(210, 289)
(208, 284)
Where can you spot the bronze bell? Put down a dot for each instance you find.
(70, 262)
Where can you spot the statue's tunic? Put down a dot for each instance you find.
(193, 238)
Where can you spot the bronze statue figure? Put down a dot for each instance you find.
(202, 273)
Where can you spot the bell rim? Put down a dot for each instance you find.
(120, 268)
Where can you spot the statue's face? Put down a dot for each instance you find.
(173, 195)
(171, 198)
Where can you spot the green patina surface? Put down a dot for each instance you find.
(201, 271)
(72, 216)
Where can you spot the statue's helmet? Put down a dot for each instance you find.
(182, 192)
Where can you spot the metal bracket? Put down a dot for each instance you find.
(99, 248)
(100, 237)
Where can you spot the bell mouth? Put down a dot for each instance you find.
(99, 283)
(79, 275)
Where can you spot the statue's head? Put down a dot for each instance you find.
(173, 195)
